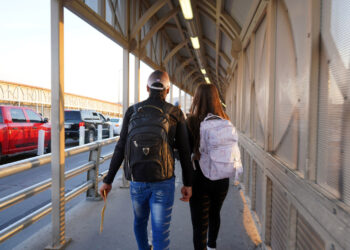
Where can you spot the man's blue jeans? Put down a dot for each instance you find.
(157, 198)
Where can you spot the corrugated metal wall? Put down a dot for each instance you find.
(290, 101)
(259, 192)
(279, 220)
(306, 237)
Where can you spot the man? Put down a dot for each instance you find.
(147, 138)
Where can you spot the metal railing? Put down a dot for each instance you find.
(90, 186)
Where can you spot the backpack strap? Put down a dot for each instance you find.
(211, 117)
(150, 106)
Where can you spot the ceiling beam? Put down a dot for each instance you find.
(157, 26)
(195, 79)
(146, 16)
(228, 21)
(174, 51)
(219, 7)
(174, 26)
(221, 53)
(190, 73)
(225, 18)
(212, 60)
(95, 20)
(180, 28)
(184, 64)
(229, 25)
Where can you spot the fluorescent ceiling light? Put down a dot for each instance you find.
(203, 71)
(207, 79)
(195, 42)
(186, 9)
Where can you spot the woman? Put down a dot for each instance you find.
(207, 195)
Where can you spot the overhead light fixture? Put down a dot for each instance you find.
(207, 79)
(186, 9)
(195, 42)
(203, 71)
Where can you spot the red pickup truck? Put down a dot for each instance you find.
(19, 130)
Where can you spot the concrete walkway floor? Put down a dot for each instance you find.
(83, 224)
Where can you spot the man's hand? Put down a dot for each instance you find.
(186, 193)
(106, 187)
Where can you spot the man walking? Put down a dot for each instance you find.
(147, 139)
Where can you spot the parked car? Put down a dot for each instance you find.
(19, 130)
(117, 125)
(73, 119)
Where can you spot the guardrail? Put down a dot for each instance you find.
(90, 186)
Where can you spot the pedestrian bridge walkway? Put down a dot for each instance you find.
(282, 68)
(83, 224)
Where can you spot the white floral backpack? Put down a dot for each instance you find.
(220, 155)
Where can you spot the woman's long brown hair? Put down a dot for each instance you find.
(206, 100)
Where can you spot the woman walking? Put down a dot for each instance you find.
(207, 195)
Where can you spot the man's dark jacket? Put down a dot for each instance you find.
(177, 136)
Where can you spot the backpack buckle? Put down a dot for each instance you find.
(145, 151)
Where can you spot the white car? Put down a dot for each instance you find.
(117, 124)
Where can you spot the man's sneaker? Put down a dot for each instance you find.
(209, 248)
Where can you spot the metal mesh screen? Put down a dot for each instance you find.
(239, 95)
(307, 238)
(291, 83)
(252, 182)
(109, 13)
(257, 128)
(258, 192)
(246, 172)
(247, 91)
(334, 106)
(279, 219)
(234, 100)
(261, 83)
(92, 4)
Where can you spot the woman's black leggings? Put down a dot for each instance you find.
(206, 202)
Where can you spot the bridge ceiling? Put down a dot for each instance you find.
(157, 32)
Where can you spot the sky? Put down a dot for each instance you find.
(93, 63)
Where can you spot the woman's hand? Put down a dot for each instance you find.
(186, 193)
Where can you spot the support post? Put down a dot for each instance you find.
(185, 102)
(111, 132)
(92, 174)
(137, 80)
(137, 58)
(99, 132)
(81, 135)
(171, 93)
(59, 240)
(41, 142)
(125, 183)
(179, 97)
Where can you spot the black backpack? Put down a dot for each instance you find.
(148, 153)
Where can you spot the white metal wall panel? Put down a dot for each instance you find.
(307, 238)
(279, 219)
(257, 128)
(334, 106)
(239, 73)
(247, 89)
(292, 82)
(234, 100)
(261, 83)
